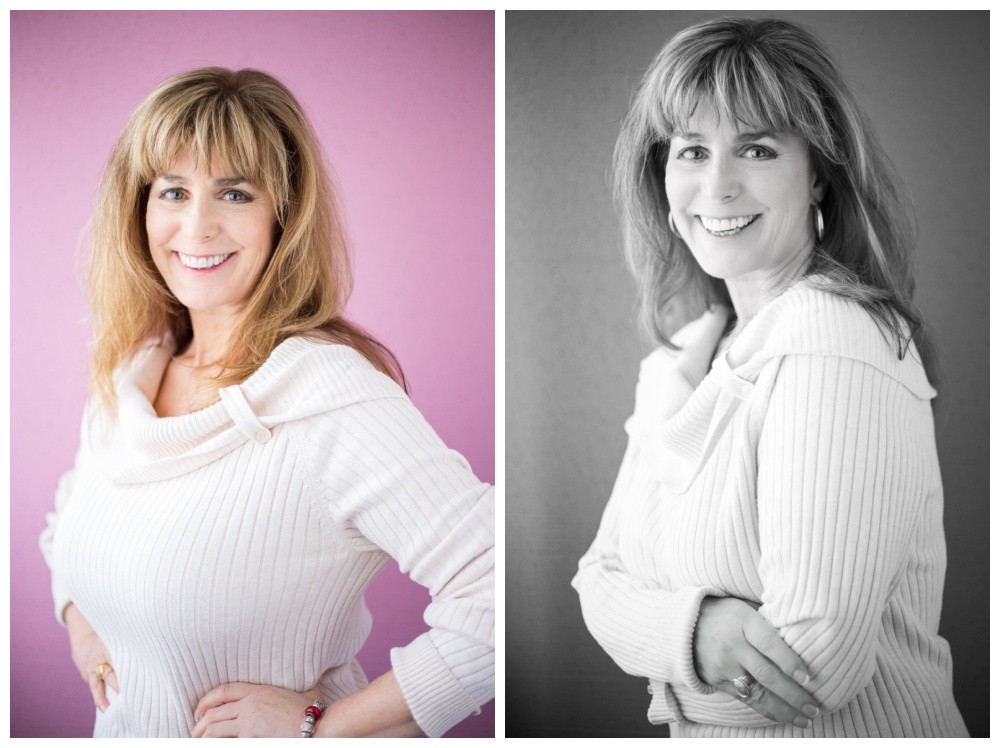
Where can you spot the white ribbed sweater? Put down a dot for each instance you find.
(235, 543)
(800, 471)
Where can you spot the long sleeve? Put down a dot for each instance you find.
(645, 628)
(393, 486)
(841, 481)
(64, 490)
(799, 470)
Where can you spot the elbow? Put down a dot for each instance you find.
(839, 648)
(840, 670)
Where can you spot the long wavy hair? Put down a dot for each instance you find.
(246, 121)
(770, 75)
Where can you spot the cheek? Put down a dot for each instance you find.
(263, 238)
(678, 189)
(156, 227)
(788, 188)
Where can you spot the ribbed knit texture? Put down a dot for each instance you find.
(800, 471)
(236, 543)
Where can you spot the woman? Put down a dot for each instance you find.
(772, 556)
(249, 459)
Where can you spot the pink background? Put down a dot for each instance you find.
(403, 105)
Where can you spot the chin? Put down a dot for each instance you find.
(723, 265)
(198, 304)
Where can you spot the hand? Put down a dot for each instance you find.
(730, 640)
(88, 652)
(246, 710)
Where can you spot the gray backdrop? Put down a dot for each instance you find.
(573, 351)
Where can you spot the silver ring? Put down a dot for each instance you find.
(743, 686)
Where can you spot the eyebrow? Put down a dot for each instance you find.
(222, 182)
(757, 135)
(742, 137)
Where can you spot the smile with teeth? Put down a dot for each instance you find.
(203, 263)
(727, 226)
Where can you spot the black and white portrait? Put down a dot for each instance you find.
(746, 373)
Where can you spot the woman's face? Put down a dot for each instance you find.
(210, 234)
(741, 200)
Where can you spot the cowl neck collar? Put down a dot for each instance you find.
(300, 379)
(685, 398)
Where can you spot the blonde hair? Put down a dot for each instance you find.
(768, 75)
(249, 122)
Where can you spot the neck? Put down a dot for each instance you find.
(211, 332)
(751, 292)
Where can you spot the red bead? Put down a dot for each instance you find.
(314, 711)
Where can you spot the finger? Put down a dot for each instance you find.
(764, 702)
(795, 700)
(220, 695)
(227, 729)
(223, 713)
(756, 700)
(766, 640)
(97, 692)
(111, 679)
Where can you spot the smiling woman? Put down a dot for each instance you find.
(249, 459)
(772, 555)
(210, 237)
(741, 202)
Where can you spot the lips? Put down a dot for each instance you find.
(727, 226)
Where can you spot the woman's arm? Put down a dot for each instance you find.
(694, 636)
(64, 490)
(841, 476)
(247, 710)
(88, 651)
(59, 595)
(842, 468)
(646, 629)
(389, 484)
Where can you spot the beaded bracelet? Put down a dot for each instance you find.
(313, 712)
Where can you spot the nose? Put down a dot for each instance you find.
(200, 223)
(721, 181)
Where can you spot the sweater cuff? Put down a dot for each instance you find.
(678, 620)
(435, 697)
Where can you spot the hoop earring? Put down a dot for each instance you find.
(818, 223)
(672, 225)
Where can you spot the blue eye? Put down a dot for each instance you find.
(237, 196)
(171, 194)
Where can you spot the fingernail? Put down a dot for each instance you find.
(810, 710)
(802, 722)
(801, 676)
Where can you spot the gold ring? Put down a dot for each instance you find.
(103, 669)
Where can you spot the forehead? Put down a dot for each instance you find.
(707, 122)
(707, 119)
(187, 162)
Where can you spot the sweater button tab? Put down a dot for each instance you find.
(262, 436)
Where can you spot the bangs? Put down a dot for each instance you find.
(222, 131)
(755, 88)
